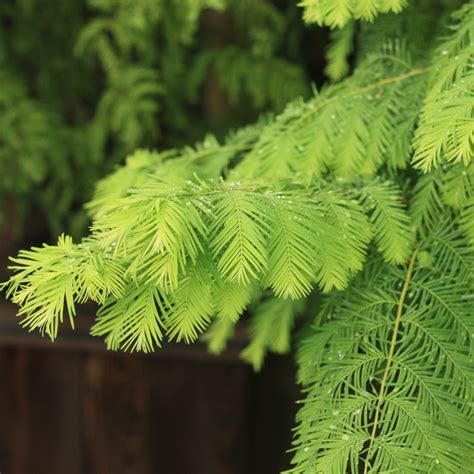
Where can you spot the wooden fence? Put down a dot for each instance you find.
(73, 408)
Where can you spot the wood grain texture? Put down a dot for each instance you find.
(74, 408)
(40, 423)
(115, 415)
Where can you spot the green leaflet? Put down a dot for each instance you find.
(339, 51)
(446, 128)
(339, 12)
(270, 329)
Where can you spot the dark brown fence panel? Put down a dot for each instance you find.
(74, 408)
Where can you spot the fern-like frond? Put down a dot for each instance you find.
(129, 105)
(230, 300)
(339, 12)
(117, 184)
(270, 329)
(426, 203)
(51, 279)
(208, 159)
(192, 306)
(332, 131)
(293, 255)
(121, 29)
(458, 185)
(266, 80)
(218, 335)
(338, 52)
(454, 257)
(155, 232)
(238, 236)
(134, 322)
(467, 220)
(393, 234)
(390, 374)
(446, 128)
(342, 243)
(249, 234)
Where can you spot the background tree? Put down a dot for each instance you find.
(83, 83)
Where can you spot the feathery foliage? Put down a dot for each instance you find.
(446, 127)
(388, 377)
(358, 200)
(339, 50)
(339, 12)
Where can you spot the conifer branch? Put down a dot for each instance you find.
(393, 343)
(311, 214)
(358, 91)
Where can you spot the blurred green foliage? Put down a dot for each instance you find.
(85, 82)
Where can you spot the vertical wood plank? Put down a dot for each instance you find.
(40, 409)
(14, 438)
(198, 417)
(54, 425)
(115, 408)
(273, 410)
